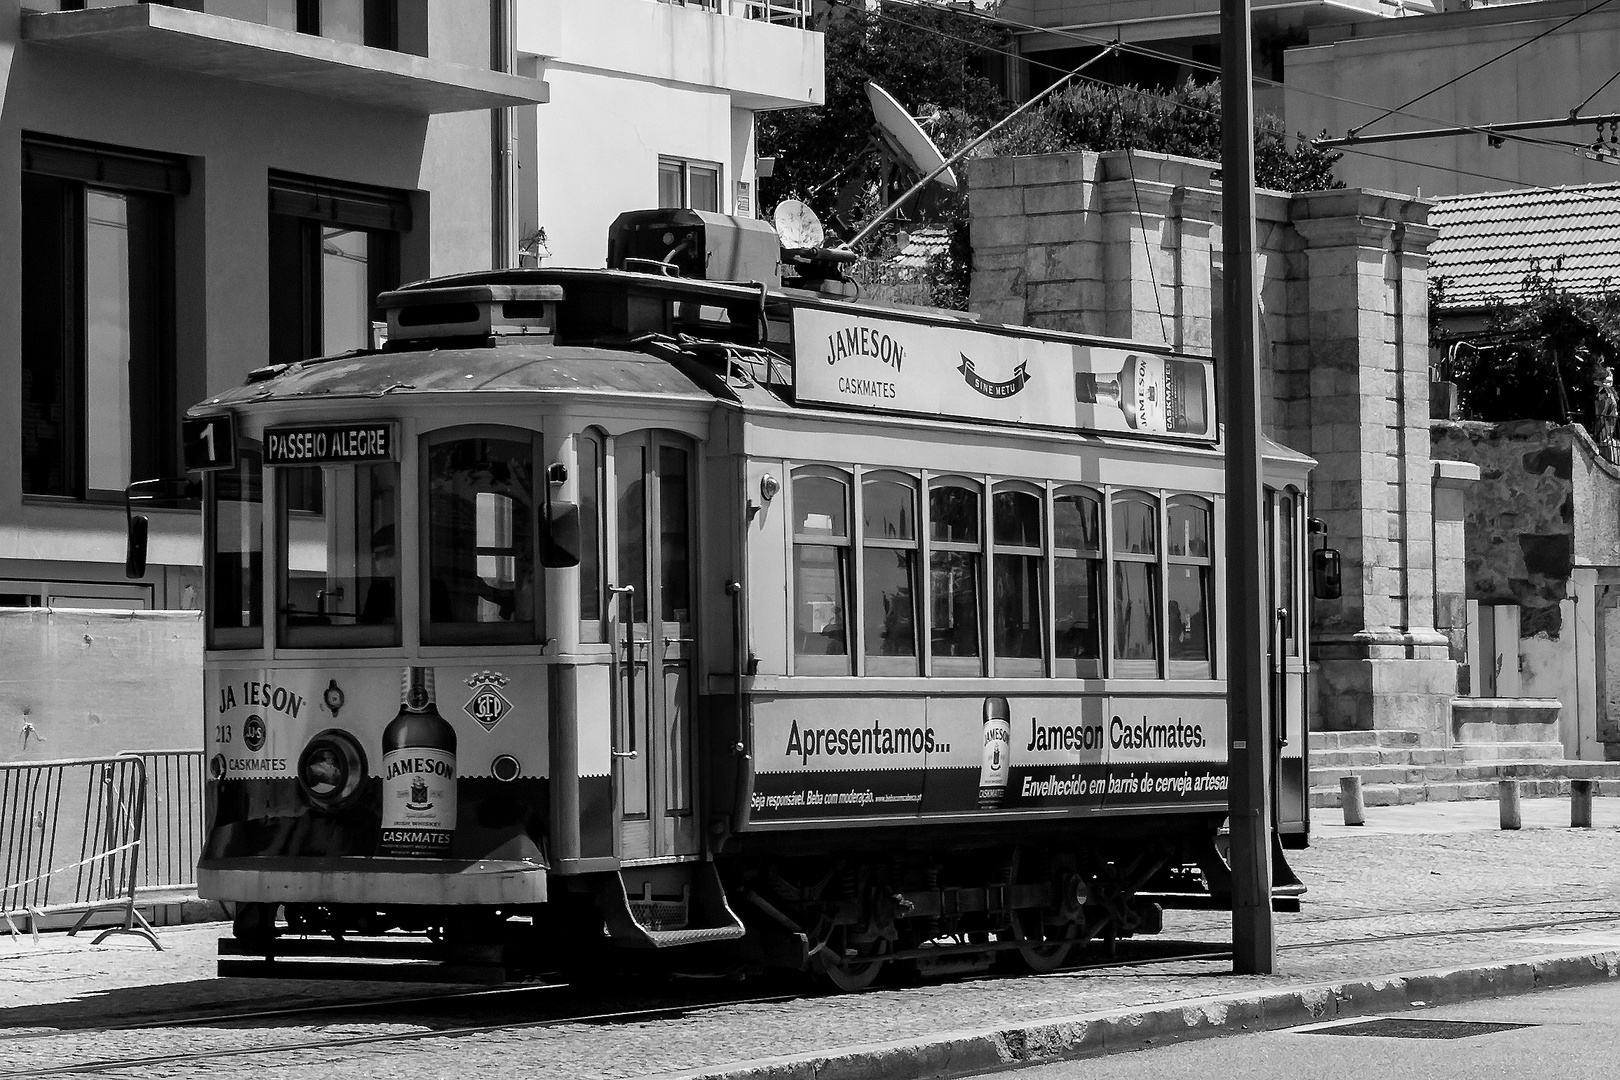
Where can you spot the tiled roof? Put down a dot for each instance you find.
(926, 242)
(1488, 242)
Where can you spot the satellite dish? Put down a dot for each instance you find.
(904, 138)
(797, 226)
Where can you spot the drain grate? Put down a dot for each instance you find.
(1394, 1027)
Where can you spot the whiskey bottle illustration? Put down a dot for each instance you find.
(1156, 393)
(995, 752)
(419, 774)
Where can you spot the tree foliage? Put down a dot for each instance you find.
(1536, 360)
(933, 61)
(1185, 121)
(922, 56)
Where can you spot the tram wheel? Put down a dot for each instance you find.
(855, 969)
(1039, 951)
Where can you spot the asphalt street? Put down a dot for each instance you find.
(1425, 904)
(1573, 1034)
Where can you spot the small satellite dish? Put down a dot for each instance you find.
(905, 139)
(797, 226)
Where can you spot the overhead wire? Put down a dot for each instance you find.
(1600, 5)
(1510, 136)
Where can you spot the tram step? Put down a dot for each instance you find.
(396, 958)
(701, 915)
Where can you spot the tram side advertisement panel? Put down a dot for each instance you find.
(859, 757)
(322, 761)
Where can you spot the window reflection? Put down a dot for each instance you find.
(1136, 578)
(1016, 517)
(345, 296)
(821, 551)
(1190, 584)
(340, 567)
(236, 528)
(1077, 585)
(889, 572)
(954, 571)
(480, 566)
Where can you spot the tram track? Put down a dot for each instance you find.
(505, 1025)
(512, 1003)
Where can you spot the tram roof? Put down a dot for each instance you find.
(513, 364)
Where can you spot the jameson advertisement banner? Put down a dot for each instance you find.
(821, 757)
(855, 360)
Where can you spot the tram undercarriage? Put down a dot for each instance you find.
(845, 919)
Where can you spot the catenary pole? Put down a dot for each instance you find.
(1254, 942)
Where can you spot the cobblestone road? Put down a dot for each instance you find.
(1388, 899)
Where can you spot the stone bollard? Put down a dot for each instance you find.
(1580, 803)
(1355, 811)
(1509, 794)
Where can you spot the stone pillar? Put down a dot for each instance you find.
(1382, 662)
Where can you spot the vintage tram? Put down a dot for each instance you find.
(665, 611)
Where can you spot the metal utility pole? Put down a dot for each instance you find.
(1254, 942)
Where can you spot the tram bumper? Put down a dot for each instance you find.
(374, 881)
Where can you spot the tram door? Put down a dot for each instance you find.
(654, 642)
(1286, 662)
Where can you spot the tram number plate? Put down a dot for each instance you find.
(329, 443)
(209, 442)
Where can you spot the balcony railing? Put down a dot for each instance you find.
(795, 13)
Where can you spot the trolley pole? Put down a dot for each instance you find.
(1254, 942)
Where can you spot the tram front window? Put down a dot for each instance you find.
(481, 528)
(340, 566)
(235, 537)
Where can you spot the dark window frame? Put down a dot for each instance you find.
(58, 175)
(300, 208)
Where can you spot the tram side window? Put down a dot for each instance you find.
(1190, 587)
(1019, 586)
(1136, 585)
(889, 574)
(235, 528)
(590, 537)
(340, 567)
(480, 540)
(1077, 583)
(821, 555)
(955, 575)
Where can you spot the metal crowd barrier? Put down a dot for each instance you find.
(173, 818)
(70, 842)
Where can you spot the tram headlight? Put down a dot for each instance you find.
(332, 769)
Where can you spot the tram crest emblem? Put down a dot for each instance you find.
(488, 705)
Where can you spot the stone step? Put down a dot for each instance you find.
(1533, 784)
(1352, 740)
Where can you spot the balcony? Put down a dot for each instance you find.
(794, 13)
(204, 43)
(761, 52)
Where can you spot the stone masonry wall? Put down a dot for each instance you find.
(1127, 244)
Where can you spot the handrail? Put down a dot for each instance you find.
(615, 673)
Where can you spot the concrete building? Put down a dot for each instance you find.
(188, 192)
(651, 105)
(1556, 56)
(1055, 36)
(191, 191)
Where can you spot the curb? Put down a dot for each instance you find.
(1041, 1042)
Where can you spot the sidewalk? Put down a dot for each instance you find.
(1425, 904)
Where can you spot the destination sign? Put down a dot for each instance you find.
(327, 444)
